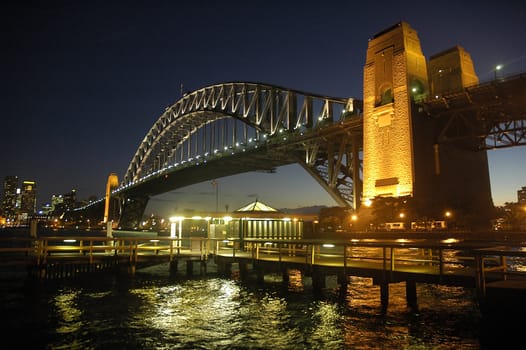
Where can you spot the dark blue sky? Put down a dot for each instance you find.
(83, 81)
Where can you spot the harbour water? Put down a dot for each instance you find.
(153, 310)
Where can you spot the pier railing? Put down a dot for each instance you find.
(43, 249)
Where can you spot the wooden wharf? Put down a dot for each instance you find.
(483, 265)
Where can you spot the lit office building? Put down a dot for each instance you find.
(28, 198)
(9, 202)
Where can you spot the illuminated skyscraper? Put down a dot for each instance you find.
(9, 202)
(28, 198)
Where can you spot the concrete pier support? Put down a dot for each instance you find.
(410, 294)
(189, 267)
(173, 268)
(343, 282)
(243, 271)
(318, 281)
(131, 269)
(384, 296)
(286, 277)
(224, 268)
(260, 274)
(202, 267)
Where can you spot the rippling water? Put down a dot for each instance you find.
(152, 310)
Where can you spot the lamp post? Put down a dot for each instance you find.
(497, 68)
(216, 186)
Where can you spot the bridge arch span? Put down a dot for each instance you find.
(224, 116)
(236, 127)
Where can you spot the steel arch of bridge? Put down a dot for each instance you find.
(322, 134)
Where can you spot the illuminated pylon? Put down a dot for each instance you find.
(112, 183)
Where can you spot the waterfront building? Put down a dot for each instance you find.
(254, 220)
(258, 220)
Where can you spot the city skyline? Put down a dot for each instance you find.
(87, 81)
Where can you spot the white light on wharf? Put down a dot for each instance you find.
(174, 220)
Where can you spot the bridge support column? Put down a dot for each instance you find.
(384, 296)
(410, 294)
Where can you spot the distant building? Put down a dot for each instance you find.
(28, 198)
(10, 199)
(18, 204)
(64, 202)
(521, 195)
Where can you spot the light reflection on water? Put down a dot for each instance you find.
(154, 311)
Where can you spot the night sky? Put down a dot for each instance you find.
(83, 81)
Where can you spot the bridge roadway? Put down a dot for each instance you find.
(470, 263)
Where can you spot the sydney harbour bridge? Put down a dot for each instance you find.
(356, 149)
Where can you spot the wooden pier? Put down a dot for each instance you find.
(496, 272)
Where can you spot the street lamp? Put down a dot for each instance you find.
(216, 186)
(497, 68)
